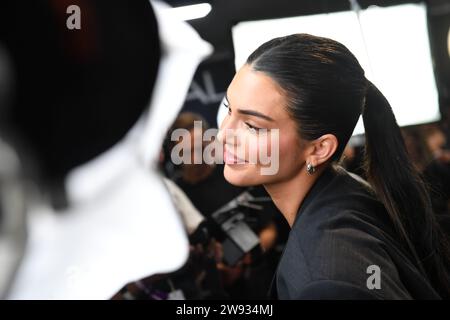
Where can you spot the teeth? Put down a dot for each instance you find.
(230, 158)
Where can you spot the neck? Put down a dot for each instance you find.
(288, 195)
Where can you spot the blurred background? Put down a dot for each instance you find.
(233, 236)
(404, 47)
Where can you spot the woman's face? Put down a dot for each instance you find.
(258, 124)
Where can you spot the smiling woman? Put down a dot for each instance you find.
(311, 91)
(259, 129)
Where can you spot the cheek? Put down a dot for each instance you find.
(284, 149)
(249, 146)
(290, 154)
(260, 146)
(285, 146)
(253, 147)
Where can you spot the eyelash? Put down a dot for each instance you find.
(249, 126)
(228, 107)
(252, 127)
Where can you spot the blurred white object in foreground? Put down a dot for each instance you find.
(122, 225)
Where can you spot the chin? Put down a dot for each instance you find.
(242, 175)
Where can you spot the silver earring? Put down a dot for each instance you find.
(310, 168)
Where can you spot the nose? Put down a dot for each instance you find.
(229, 133)
(225, 130)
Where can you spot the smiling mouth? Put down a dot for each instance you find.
(230, 158)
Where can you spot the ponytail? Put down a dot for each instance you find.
(400, 188)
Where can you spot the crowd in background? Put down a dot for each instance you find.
(206, 275)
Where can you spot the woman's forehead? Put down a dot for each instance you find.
(255, 90)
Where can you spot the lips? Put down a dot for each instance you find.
(230, 158)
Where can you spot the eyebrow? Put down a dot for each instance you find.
(250, 112)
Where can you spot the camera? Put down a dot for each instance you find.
(230, 225)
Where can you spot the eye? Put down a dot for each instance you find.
(228, 107)
(251, 128)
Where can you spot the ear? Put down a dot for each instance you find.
(322, 149)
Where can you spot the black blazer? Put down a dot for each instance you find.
(341, 229)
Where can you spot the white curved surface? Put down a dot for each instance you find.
(122, 225)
